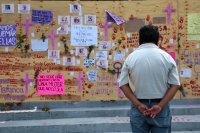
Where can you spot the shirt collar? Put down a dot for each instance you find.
(148, 45)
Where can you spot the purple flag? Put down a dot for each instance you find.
(42, 17)
(7, 35)
(113, 18)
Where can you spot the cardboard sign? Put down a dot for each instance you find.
(83, 35)
(42, 17)
(7, 35)
(50, 84)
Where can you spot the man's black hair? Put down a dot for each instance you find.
(148, 34)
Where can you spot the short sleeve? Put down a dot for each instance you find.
(124, 76)
(173, 77)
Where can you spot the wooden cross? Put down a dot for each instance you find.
(106, 27)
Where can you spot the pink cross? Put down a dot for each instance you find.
(79, 79)
(27, 25)
(26, 80)
(169, 10)
(52, 36)
(106, 27)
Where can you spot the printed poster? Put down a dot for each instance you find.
(185, 73)
(76, 20)
(68, 61)
(102, 55)
(90, 19)
(89, 62)
(75, 8)
(62, 30)
(81, 51)
(24, 8)
(64, 20)
(7, 8)
(53, 54)
(102, 63)
(104, 45)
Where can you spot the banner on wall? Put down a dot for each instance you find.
(7, 35)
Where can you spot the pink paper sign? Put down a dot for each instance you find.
(173, 55)
(50, 84)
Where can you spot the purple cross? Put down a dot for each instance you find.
(26, 80)
(106, 27)
(52, 36)
(169, 10)
(79, 79)
(27, 25)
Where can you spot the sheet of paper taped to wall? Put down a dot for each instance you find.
(134, 25)
(159, 20)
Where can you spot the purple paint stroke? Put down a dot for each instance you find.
(27, 25)
(119, 90)
(106, 27)
(80, 79)
(52, 36)
(26, 80)
(113, 18)
(169, 10)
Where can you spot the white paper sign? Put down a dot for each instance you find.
(104, 45)
(6, 49)
(39, 45)
(89, 62)
(24, 8)
(83, 35)
(119, 56)
(7, 8)
(171, 41)
(92, 75)
(185, 73)
(102, 55)
(197, 45)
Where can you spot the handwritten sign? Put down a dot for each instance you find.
(39, 45)
(7, 35)
(50, 84)
(89, 62)
(92, 75)
(83, 35)
(42, 17)
(119, 56)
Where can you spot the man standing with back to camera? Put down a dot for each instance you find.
(155, 76)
